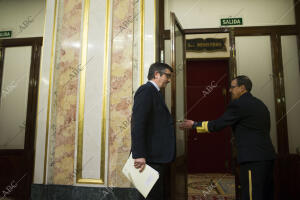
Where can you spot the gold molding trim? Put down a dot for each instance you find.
(104, 97)
(79, 178)
(49, 90)
(90, 181)
(142, 9)
(84, 47)
(155, 42)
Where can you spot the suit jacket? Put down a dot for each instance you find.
(250, 121)
(152, 127)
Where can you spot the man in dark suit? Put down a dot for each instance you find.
(250, 120)
(152, 127)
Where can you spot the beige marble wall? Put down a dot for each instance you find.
(64, 96)
(121, 90)
(124, 57)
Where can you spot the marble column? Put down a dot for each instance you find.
(64, 93)
(121, 90)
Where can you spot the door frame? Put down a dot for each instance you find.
(232, 73)
(31, 114)
(179, 163)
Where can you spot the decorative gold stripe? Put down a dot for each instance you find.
(82, 88)
(250, 184)
(79, 178)
(155, 42)
(90, 181)
(142, 7)
(104, 98)
(49, 90)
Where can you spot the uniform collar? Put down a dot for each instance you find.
(247, 94)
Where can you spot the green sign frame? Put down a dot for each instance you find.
(231, 21)
(5, 34)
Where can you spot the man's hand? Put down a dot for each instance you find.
(186, 124)
(140, 163)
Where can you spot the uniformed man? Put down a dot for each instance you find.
(249, 118)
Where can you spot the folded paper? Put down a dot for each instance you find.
(142, 181)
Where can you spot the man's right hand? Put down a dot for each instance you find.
(186, 124)
(140, 163)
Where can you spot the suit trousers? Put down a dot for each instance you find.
(257, 180)
(158, 190)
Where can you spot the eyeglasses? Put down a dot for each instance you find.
(168, 75)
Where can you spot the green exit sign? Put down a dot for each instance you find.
(4, 34)
(231, 21)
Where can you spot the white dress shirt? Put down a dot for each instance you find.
(155, 85)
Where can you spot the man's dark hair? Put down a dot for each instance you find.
(159, 67)
(244, 80)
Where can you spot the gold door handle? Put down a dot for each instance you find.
(224, 91)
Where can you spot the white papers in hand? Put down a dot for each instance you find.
(142, 181)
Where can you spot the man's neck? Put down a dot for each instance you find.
(155, 84)
(244, 92)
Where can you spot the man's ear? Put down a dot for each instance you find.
(156, 73)
(243, 87)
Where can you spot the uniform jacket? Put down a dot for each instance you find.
(250, 120)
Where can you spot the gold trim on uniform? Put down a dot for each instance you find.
(250, 184)
(203, 128)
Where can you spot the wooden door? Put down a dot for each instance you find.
(178, 109)
(207, 98)
(19, 75)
